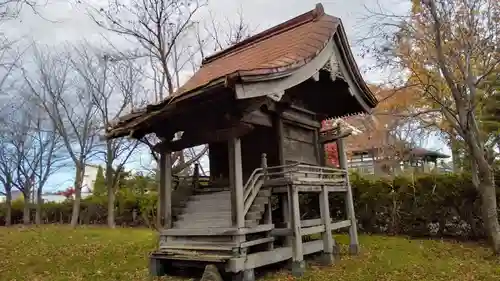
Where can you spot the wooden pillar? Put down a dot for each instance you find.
(298, 264)
(280, 136)
(196, 176)
(165, 194)
(269, 208)
(328, 242)
(353, 229)
(236, 182)
(287, 214)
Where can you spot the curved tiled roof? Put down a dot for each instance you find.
(271, 54)
(278, 49)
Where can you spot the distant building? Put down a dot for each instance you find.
(87, 187)
(373, 149)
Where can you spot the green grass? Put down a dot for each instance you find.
(55, 253)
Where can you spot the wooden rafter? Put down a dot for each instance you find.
(205, 136)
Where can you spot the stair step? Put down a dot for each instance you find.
(211, 224)
(215, 246)
(195, 255)
(264, 193)
(215, 195)
(210, 202)
(206, 209)
(261, 200)
(251, 223)
(200, 239)
(202, 220)
(203, 224)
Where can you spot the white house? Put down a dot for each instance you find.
(87, 187)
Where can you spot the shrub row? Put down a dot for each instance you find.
(426, 205)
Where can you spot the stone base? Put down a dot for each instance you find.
(211, 273)
(353, 249)
(298, 268)
(327, 259)
(157, 267)
(245, 275)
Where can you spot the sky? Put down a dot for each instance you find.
(61, 21)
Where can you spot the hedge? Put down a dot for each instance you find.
(445, 205)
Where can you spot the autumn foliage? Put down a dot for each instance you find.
(68, 192)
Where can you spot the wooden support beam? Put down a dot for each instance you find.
(353, 230)
(270, 257)
(333, 135)
(236, 175)
(191, 139)
(328, 242)
(258, 117)
(308, 225)
(165, 194)
(257, 242)
(312, 230)
(296, 117)
(298, 255)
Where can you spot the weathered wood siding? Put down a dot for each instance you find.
(300, 140)
(299, 144)
(260, 140)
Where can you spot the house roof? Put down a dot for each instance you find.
(278, 49)
(271, 54)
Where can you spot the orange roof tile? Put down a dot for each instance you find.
(287, 45)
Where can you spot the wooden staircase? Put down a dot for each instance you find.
(213, 210)
(204, 229)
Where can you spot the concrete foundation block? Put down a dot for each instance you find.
(327, 259)
(157, 267)
(298, 268)
(245, 275)
(353, 249)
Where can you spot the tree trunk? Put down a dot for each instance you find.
(489, 213)
(8, 203)
(39, 204)
(111, 207)
(26, 209)
(80, 169)
(111, 180)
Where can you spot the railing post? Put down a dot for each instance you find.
(328, 242)
(196, 176)
(349, 200)
(298, 263)
(165, 194)
(263, 161)
(269, 209)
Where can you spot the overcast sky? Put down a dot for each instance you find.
(60, 21)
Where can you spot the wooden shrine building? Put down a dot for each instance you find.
(259, 106)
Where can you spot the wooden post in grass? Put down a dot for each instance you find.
(353, 229)
(298, 264)
(328, 243)
(165, 194)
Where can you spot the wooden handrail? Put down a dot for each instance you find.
(252, 186)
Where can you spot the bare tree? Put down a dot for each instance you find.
(113, 90)
(29, 154)
(7, 170)
(157, 25)
(71, 109)
(449, 52)
(50, 154)
(10, 8)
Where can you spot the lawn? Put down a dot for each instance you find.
(55, 253)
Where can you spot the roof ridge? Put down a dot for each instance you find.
(278, 29)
